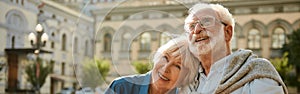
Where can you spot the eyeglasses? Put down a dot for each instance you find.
(204, 22)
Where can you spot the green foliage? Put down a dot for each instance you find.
(37, 73)
(103, 67)
(293, 48)
(142, 67)
(94, 72)
(283, 68)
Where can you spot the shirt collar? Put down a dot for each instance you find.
(217, 66)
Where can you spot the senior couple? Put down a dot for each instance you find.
(201, 62)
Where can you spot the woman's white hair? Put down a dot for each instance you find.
(189, 62)
(223, 13)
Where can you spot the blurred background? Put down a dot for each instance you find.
(80, 46)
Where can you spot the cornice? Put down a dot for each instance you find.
(65, 10)
(183, 7)
(128, 10)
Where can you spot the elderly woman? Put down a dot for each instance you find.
(174, 66)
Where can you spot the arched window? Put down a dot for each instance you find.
(278, 38)
(145, 42)
(52, 42)
(16, 20)
(253, 39)
(64, 42)
(107, 42)
(126, 41)
(13, 42)
(164, 38)
(63, 65)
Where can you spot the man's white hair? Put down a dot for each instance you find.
(222, 12)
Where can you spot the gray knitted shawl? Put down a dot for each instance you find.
(244, 67)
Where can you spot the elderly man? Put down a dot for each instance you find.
(210, 30)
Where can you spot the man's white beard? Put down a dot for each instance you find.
(215, 43)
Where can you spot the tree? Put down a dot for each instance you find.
(293, 48)
(103, 67)
(142, 67)
(94, 72)
(284, 69)
(37, 73)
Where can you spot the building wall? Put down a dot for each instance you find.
(15, 21)
(19, 17)
(163, 17)
(120, 33)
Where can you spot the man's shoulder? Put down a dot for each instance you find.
(258, 60)
(249, 56)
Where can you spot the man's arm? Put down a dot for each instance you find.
(261, 86)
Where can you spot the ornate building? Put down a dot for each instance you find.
(127, 31)
(70, 40)
(132, 30)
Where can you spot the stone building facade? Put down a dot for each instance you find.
(70, 39)
(127, 31)
(131, 31)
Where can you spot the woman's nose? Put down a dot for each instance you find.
(166, 68)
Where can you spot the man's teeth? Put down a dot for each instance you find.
(164, 78)
(201, 39)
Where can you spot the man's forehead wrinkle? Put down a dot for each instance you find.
(206, 11)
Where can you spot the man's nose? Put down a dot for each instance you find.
(198, 28)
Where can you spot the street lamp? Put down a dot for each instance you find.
(38, 41)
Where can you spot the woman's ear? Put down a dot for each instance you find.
(228, 32)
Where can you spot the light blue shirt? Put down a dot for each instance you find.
(135, 84)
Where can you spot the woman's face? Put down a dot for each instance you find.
(166, 70)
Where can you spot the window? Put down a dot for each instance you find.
(52, 45)
(278, 38)
(253, 39)
(53, 16)
(53, 38)
(126, 41)
(64, 42)
(13, 42)
(145, 42)
(15, 20)
(107, 42)
(164, 38)
(22, 2)
(63, 68)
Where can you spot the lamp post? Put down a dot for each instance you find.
(38, 40)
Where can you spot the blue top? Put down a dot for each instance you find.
(135, 84)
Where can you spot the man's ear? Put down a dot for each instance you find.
(228, 32)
